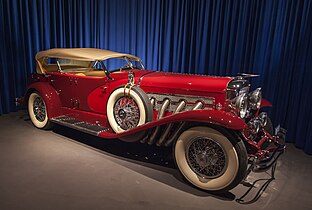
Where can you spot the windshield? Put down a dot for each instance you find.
(118, 64)
(90, 68)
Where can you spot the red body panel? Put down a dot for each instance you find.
(72, 87)
(184, 84)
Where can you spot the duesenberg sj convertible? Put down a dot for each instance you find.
(215, 125)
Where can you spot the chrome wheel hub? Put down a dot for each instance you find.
(122, 114)
(126, 113)
(206, 157)
(39, 109)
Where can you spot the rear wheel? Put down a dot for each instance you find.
(210, 160)
(37, 111)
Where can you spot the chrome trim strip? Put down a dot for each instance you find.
(141, 78)
(153, 102)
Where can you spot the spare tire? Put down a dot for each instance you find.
(128, 108)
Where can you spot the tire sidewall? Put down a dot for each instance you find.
(31, 113)
(145, 112)
(233, 172)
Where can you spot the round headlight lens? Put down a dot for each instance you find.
(242, 105)
(255, 99)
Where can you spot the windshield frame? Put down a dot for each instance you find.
(130, 64)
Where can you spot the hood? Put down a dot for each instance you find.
(175, 82)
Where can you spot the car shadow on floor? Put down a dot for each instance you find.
(153, 157)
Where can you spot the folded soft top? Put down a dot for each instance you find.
(83, 54)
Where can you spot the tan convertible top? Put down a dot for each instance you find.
(83, 54)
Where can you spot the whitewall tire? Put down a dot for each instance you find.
(37, 111)
(210, 160)
(127, 109)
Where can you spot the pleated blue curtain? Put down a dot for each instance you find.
(270, 38)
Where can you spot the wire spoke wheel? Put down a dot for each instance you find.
(39, 109)
(126, 113)
(210, 159)
(206, 157)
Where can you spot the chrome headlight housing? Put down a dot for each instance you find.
(241, 103)
(237, 87)
(255, 98)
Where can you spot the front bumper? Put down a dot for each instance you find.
(266, 149)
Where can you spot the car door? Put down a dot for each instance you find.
(65, 86)
(91, 93)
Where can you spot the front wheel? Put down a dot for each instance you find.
(37, 111)
(209, 159)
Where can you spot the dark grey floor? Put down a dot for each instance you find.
(65, 169)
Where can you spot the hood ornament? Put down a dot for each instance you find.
(244, 75)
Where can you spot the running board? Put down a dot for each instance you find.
(83, 126)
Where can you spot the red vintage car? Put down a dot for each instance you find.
(214, 124)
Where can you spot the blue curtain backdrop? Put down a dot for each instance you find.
(270, 38)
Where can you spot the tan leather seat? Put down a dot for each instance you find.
(95, 73)
(80, 74)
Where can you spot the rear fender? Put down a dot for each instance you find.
(50, 96)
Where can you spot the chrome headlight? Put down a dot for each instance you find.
(241, 103)
(237, 87)
(255, 99)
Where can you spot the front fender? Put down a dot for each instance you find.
(50, 96)
(222, 118)
(265, 103)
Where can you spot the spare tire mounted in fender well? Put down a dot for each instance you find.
(127, 108)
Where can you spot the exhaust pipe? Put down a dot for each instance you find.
(198, 105)
(161, 114)
(162, 138)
